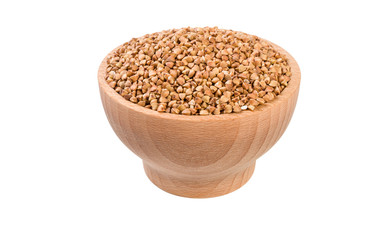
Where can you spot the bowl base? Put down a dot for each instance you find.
(196, 188)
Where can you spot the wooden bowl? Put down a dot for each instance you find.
(200, 156)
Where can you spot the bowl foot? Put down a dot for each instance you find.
(199, 188)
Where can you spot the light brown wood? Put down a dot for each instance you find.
(200, 156)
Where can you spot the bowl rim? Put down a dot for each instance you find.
(286, 94)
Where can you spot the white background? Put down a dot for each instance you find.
(65, 175)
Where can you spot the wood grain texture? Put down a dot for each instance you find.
(200, 156)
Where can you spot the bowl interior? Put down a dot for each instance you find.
(288, 92)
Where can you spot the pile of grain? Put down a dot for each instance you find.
(198, 71)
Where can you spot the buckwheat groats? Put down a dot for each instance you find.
(198, 71)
